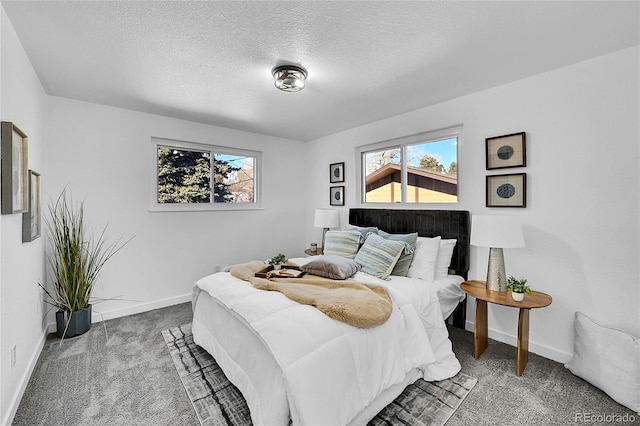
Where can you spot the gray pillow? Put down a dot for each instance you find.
(330, 266)
(402, 265)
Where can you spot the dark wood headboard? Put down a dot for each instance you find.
(427, 223)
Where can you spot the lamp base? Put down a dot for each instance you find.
(324, 234)
(496, 275)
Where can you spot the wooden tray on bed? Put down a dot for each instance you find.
(269, 271)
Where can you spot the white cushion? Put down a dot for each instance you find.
(609, 359)
(445, 253)
(423, 265)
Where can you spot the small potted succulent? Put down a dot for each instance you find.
(277, 261)
(518, 287)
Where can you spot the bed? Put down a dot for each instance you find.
(449, 224)
(295, 365)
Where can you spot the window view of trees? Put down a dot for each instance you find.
(426, 179)
(185, 176)
(429, 162)
(376, 160)
(434, 155)
(233, 179)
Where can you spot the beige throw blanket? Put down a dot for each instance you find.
(348, 301)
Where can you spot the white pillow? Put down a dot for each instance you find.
(423, 265)
(445, 252)
(609, 359)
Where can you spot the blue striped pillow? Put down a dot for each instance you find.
(342, 243)
(364, 230)
(404, 262)
(378, 256)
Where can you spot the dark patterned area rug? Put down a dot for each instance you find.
(218, 402)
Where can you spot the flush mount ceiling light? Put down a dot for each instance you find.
(289, 78)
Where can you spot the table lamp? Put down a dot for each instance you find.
(496, 232)
(325, 219)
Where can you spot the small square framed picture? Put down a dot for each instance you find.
(336, 195)
(506, 151)
(507, 190)
(336, 172)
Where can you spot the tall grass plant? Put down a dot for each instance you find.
(74, 257)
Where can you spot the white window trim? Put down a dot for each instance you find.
(402, 143)
(154, 206)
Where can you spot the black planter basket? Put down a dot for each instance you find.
(79, 324)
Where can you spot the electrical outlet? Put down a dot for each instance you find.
(13, 356)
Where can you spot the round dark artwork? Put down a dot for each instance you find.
(505, 152)
(336, 172)
(336, 195)
(506, 190)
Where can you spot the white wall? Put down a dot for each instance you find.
(104, 154)
(23, 101)
(581, 223)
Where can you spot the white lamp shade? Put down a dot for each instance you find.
(496, 231)
(326, 218)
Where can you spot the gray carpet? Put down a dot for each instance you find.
(126, 380)
(217, 402)
(546, 393)
(129, 379)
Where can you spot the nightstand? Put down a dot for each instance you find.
(310, 252)
(536, 299)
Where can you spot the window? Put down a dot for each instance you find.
(189, 176)
(421, 168)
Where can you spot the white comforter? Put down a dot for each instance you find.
(331, 370)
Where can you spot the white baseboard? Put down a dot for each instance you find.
(99, 316)
(536, 348)
(17, 397)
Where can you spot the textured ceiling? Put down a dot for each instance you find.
(211, 62)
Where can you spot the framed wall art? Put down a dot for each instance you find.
(15, 173)
(32, 219)
(507, 190)
(336, 194)
(336, 172)
(506, 151)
